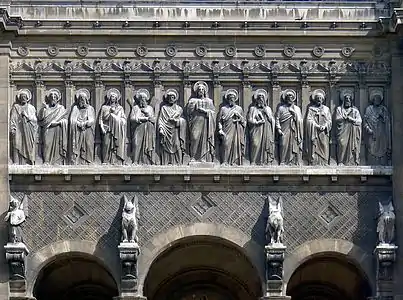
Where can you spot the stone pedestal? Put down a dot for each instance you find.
(274, 271)
(128, 253)
(137, 297)
(276, 298)
(385, 257)
(15, 255)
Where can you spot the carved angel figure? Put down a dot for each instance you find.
(16, 215)
(130, 218)
(386, 223)
(275, 222)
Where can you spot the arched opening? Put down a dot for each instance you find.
(202, 267)
(328, 277)
(75, 276)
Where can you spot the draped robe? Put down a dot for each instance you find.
(174, 134)
(292, 128)
(82, 141)
(202, 128)
(261, 135)
(318, 142)
(348, 135)
(54, 138)
(25, 130)
(233, 143)
(142, 135)
(380, 142)
(114, 139)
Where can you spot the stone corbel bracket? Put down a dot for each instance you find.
(8, 23)
(274, 270)
(396, 23)
(385, 258)
(16, 254)
(128, 254)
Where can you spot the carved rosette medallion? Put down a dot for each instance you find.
(82, 51)
(171, 51)
(53, 51)
(22, 51)
(112, 51)
(201, 51)
(141, 51)
(289, 51)
(318, 51)
(230, 51)
(347, 51)
(259, 51)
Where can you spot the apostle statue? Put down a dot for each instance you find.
(289, 125)
(23, 129)
(172, 130)
(317, 130)
(231, 130)
(142, 129)
(261, 129)
(112, 121)
(201, 118)
(377, 131)
(82, 129)
(53, 121)
(348, 130)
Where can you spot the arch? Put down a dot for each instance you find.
(314, 248)
(152, 250)
(53, 251)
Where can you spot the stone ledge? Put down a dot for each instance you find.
(200, 170)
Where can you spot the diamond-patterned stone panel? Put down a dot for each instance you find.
(351, 215)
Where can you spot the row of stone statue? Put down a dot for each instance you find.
(67, 137)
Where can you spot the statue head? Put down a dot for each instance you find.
(171, 96)
(288, 97)
(142, 97)
(231, 97)
(201, 89)
(260, 98)
(347, 97)
(53, 97)
(82, 98)
(376, 97)
(113, 96)
(24, 96)
(318, 97)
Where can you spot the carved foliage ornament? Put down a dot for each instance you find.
(112, 51)
(201, 51)
(171, 51)
(82, 51)
(22, 51)
(230, 51)
(289, 51)
(141, 51)
(53, 51)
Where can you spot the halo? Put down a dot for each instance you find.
(113, 91)
(231, 91)
(143, 91)
(172, 91)
(375, 92)
(263, 92)
(288, 91)
(84, 92)
(26, 92)
(345, 92)
(54, 91)
(318, 92)
(196, 85)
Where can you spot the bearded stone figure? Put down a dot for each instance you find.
(23, 129)
(53, 121)
(289, 125)
(112, 121)
(171, 130)
(261, 124)
(348, 130)
(82, 129)
(201, 118)
(318, 126)
(377, 131)
(231, 130)
(142, 129)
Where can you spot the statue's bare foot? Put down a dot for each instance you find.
(125, 241)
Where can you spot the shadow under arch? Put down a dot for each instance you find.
(201, 233)
(330, 248)
(69, 248)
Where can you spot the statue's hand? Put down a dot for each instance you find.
(370, 131)
(280, 132)
(103, 129)
(221, 134)
(13, 131)
(322, 128)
